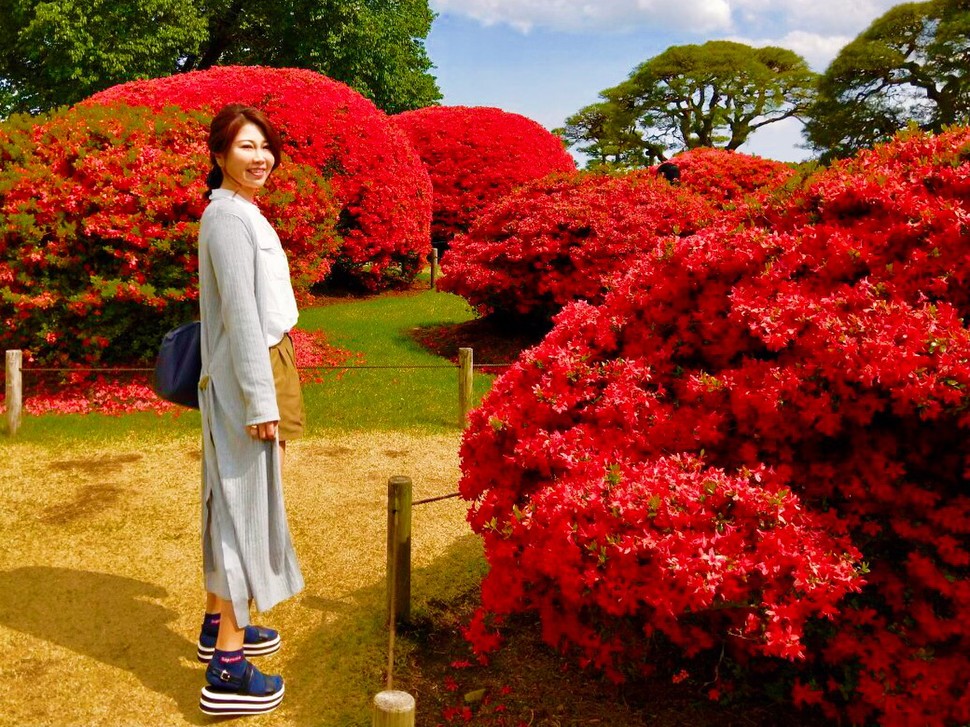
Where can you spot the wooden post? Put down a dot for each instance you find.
(465, 365)
(15, 393)
(398, 549)
(434, 266)
(393, 709)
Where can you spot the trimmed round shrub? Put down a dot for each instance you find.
(380, 184)
(728, 178)
(475, 155)
(99, 211)
(757, 443)
(563, 238)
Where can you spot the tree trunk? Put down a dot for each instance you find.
(220, 36)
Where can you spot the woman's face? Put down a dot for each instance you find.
(248, 163)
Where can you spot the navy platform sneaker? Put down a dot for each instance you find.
(230, 693)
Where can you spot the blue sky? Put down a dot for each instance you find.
(546, 59)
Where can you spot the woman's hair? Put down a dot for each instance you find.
(222, 132)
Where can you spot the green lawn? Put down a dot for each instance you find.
(418, 390)
(408, 388)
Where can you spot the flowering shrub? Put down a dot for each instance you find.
(475, 155)
(99, 213)
(757, 442)
(729, 177)
(560, 238)
(381, 187)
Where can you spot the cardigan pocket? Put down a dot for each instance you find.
(273, 261)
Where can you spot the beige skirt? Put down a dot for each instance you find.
(289, 398)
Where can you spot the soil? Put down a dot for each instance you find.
(497, 344)
(526, 683)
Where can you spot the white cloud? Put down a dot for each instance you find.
(781, 141)
(594, 16)
(843, 18)
(836, 17)
(818, 50)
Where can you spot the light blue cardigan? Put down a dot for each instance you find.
(246, 545)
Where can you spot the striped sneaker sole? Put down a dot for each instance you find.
(204, 653)
(230, 704)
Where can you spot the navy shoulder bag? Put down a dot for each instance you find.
(179, 365)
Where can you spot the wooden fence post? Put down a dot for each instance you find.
(465, 366)
(434, 266)
(399, 549)
(15, 393)
(393, 709)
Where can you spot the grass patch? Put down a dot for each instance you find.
(60, 429)
(418, 390)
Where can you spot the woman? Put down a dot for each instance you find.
(249, 397)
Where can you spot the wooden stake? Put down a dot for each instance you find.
(434, 266)
(465, 366)
(15, 393)
(398, 550)
(393, 709)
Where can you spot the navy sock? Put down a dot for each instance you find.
(232, 661)
(210, 624)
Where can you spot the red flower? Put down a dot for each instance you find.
(475, 155)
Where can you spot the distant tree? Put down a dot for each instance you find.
(61, 51)
(607, 134)
(58, 52)
(716, 94)
(374, 46)
(909, 66)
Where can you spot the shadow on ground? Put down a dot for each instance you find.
(92, 614)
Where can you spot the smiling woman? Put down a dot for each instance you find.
(251, 404)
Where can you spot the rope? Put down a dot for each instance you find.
(435, 499)
(71, 370)
(299, 368)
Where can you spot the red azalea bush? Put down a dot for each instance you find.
(382, 188)
(729, 177)
(560, 238)
(475, 155)
(99, 211)
(758, 443)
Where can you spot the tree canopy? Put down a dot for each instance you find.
(60, 51)
(909, 66)
(716, 94)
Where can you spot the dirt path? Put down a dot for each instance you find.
(100, 586)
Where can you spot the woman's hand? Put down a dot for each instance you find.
(264, 430)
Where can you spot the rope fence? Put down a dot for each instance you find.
(15, 371)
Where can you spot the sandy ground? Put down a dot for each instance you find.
(100, 585)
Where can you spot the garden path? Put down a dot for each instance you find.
(100, 593)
